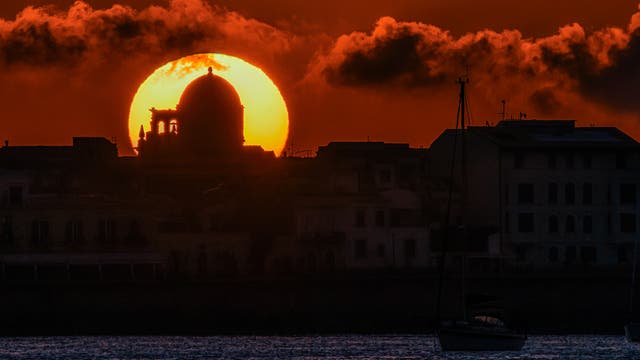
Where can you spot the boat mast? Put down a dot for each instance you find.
(633, 276)
(447, 223)
(463, 81)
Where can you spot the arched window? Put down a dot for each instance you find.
(173, 127)
(587, 224)
(553, 254)
(570, 193)
(570, 224)
(587, 193)
(160, 127)
(553, 193)
(553, 224)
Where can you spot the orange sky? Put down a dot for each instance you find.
(349, 70)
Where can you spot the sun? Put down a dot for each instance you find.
(266, 119)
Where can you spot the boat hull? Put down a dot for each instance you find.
(632, 332)
(460, 339)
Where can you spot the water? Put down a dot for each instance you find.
(302, 347)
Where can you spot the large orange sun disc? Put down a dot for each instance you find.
(266, 120)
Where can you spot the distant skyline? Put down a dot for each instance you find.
(347, 70)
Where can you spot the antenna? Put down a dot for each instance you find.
(462, 81)
(504, 109)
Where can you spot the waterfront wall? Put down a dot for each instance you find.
(386, 303)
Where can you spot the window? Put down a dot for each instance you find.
(409, 248)
(381, 250)
(570, 254)
(74, 232)
(525, 193)
(621, 160)
(569, 161)
(134, 233)
(570, 224)
(107, 230)
(385, 176)
(587, 224)
(161, 127)
(6, 226)
(553, 193)
(518, 160)
(201, 261)
(39, 232)
(587, 161)
(552, 161)
(570, 193)
(587, 193)
(588, 254)
(173, 126)
(360, 219)
(360, 250)
(628, 223)
(380, 218)
(525, 223)
(553, 254)
(521, 253)
(627, 194)
(553, 224)
(622, 255)
(15, 196)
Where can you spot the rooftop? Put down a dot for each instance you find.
(552, 133)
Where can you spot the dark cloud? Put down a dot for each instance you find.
(391, 60)
(35, 44)
(415, 54)
(601, 65)
(44, 37)
(617, 84)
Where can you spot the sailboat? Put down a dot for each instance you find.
(482, 332)
(632, 329)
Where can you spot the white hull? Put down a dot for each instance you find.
(632, 332)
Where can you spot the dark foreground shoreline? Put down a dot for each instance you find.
(568, 303)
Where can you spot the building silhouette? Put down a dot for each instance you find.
(557, 195)
(196, 204)
(208, 123)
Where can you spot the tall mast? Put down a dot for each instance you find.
(634, 271)
(462, 102)
(462, 81)
(460, 116)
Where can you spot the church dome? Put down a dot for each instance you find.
(209, 91)
(211, 116)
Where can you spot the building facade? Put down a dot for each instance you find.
(559, 195)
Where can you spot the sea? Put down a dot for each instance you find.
(303, 347)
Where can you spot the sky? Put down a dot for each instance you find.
(349, 70)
